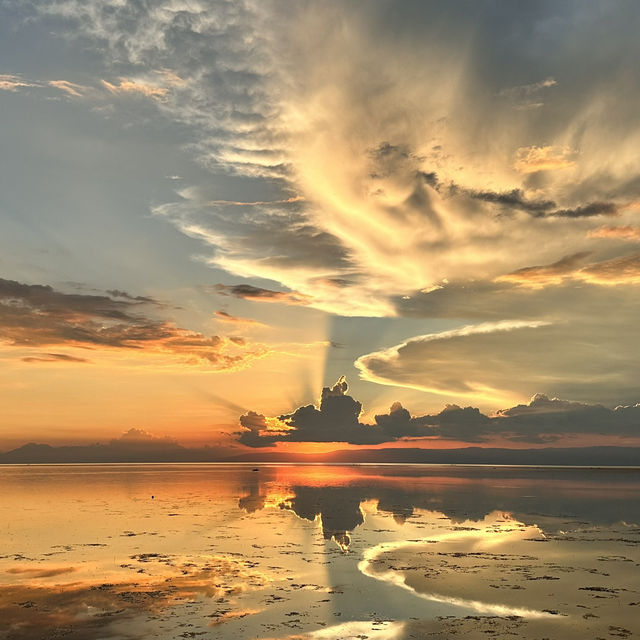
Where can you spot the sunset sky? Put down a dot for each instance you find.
(210, 210)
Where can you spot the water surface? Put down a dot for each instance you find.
(280, 551)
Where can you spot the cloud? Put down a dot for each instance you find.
(127, 86)
(626, 232)
(358, 164)
(249, 292)
(336, 419)
(497, 363)
(524, 96)
(53, 357)
(223, 316)
(35, 316)
(140, 439)
(70, 88)
(549, 158)
(420, 363)
(545, 275)
(14, 83)
(623, 270)
(588, 210)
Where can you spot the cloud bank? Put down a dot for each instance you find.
(543, 420)
(38, 316)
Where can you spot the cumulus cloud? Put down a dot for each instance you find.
(35, 316)
(542, 420)
(139, 438)
(336, 419)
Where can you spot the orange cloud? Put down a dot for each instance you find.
(70, 88)
(531, 159)
(544, 275)
(39, 316)
(13, 83)
(223, 316)
(619, 233)
(132, 86)
(616, 271)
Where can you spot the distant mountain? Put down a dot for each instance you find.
(33, 453)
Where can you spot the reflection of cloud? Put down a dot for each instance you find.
(40, 572)
(353, 630)
(338, 509)
(86, 608)
(375, 565)
(463, 495)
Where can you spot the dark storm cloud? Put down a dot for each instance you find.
(588, 210)
(38, 316)
(514, 199)
(543, 420)
(391, 158)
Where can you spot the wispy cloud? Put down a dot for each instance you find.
(127, 86)
(622, 270)
(70, 88)
(223, 316)
(14, 83)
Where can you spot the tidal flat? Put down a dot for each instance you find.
(123, 552)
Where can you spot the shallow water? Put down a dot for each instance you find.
(381, 552)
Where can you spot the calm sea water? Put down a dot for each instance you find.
(280, 551)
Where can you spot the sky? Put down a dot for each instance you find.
(212, 211)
